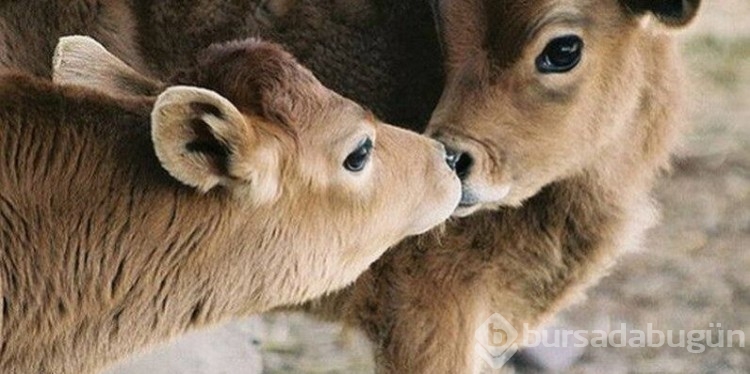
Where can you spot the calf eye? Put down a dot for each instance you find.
(357, 160)
(560, 55)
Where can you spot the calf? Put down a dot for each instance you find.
(119, 229)
(562, 114)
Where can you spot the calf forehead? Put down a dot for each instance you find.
(335, 123)
(507, 26)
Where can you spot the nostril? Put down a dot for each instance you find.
(463, 165)
(451, 158)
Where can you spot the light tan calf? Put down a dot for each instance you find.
(119, 230)
(562, 114)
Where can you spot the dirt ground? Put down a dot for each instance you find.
(693, 271)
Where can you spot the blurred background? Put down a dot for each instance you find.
(694, 269)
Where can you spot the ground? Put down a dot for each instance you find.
(693, 271)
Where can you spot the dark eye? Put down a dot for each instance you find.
(560, 55)
(357, 160)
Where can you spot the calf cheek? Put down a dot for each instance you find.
(530, 150)
(548, 156)
(434, 191)
(399, 186)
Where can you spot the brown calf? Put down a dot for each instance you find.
(119, 230)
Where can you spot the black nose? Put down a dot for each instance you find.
(460, 162)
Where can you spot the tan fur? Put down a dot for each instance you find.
(84, 62)
(106, 249)
(563, 163)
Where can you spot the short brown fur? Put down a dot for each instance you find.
(105, 248)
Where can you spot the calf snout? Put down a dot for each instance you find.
(485, 181)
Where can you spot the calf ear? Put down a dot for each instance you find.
(81, 60)
(203, 140)
(675, 13)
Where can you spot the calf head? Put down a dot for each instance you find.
(318, 174)
(540, 90)
(335, 163)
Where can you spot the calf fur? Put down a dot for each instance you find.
(119, 229)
